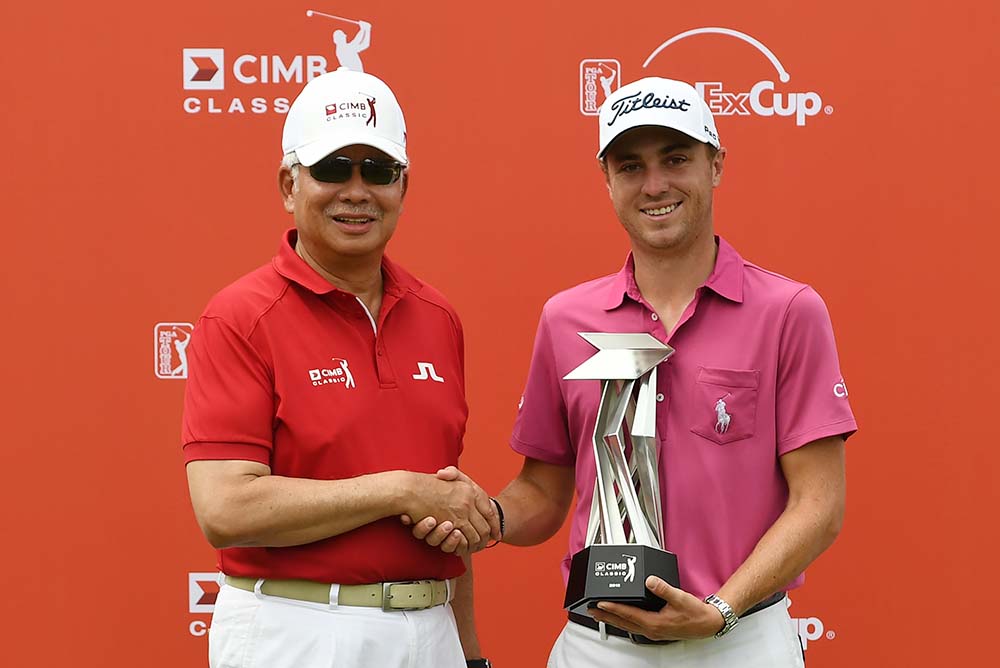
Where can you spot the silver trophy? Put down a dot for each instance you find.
(625, 534)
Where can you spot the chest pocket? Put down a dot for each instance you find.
(726, 401)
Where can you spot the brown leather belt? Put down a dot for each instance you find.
(591, 623)
(411, 595)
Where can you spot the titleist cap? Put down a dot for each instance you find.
(656, 101)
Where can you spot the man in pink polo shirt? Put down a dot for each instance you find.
(752, 408)
(325, 389)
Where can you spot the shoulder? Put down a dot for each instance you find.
(588, 296)
(246, 300)
(428, 297)
(769, 288)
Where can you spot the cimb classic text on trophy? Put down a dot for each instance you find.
(625, 535)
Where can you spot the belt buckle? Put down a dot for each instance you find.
(387, 597)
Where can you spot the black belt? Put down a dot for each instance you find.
(591, 623)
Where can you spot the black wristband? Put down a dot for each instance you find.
(503, 526)
(478, 663)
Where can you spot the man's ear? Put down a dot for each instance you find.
(286, 186)
(718, 162)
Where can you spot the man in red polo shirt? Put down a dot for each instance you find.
(324, 390)
(752, 409)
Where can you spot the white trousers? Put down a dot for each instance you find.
(765, 639)
(258, 631)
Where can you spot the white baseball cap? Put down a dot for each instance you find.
(656, 101)
(341, 108)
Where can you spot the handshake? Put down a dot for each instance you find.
(450, 511)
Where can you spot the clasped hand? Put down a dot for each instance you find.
(456, 514)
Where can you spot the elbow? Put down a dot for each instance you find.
(835, 522)
(221, 530)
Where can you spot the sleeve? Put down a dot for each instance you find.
(540, 429)
(811, 401)
(229, 397)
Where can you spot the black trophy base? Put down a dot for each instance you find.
(617, 573)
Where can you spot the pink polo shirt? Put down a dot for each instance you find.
(759, 341)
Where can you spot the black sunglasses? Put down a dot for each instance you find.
(338, 169)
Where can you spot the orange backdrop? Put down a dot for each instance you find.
(133, 195)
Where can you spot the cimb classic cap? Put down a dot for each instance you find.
(342, 108)
(656, 101)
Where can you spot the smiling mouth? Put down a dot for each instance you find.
(352, 220)
(662, 211)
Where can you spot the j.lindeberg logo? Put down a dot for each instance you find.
(426, 371)
(630, 103)
(341, 375)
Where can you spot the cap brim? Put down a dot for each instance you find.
(703, 138)
(311, 153)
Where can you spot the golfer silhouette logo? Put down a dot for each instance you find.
(371, 109)
(348, 51)
(349, 383)
(180, 345)
(606, 81)
(630, 576)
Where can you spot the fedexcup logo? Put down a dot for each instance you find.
(765, 98)
(768, 97)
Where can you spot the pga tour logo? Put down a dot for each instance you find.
(599, 77)
(170, 342)
(765, 98)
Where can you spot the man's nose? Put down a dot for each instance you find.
(657, 182)
(354, 189)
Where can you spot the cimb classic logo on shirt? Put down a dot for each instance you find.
(339, 375)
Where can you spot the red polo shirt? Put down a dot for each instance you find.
(286, 370)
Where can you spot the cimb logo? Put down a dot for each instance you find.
(203, 591)
(765, 98)
(204, 69)
(257, 70)
(341, 375)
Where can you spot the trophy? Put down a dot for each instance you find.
(625, 533)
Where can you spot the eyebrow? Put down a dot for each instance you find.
(663, 151)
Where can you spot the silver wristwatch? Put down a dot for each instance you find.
(728, 616)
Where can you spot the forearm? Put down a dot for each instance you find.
(802, 532)
(462, 606)
(536, 502)
(276, 511)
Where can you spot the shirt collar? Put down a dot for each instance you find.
(726, 278)
(288, 264)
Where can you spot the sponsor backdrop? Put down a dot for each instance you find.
(142, 155)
